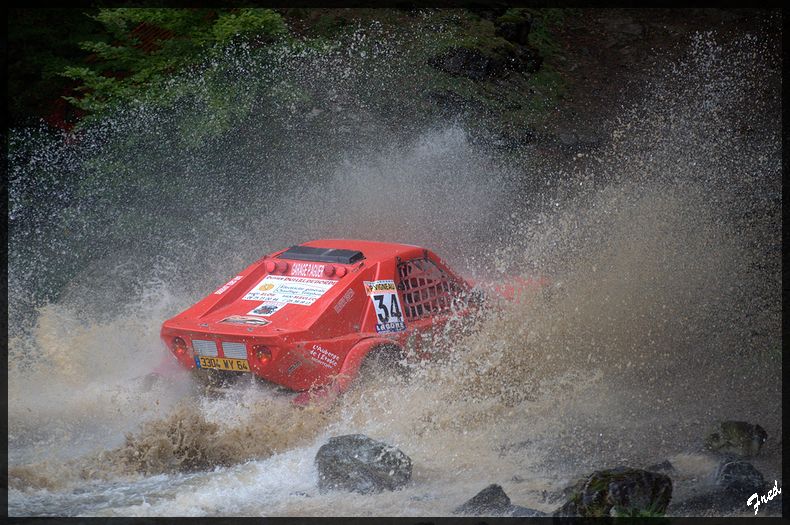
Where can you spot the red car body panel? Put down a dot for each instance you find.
(354, 309)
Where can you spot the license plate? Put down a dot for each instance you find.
(224, 363)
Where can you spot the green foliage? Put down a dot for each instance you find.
(247, 22)
(122, 70)
(475, 33)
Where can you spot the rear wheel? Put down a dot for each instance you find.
(384, 362)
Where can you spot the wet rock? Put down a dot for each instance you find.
(525, 512)
(492, 501)
(518, 33)
(515, 28)
(740, 479)
(665, 467)
(737, 438)
(357, 463)
(619, 490)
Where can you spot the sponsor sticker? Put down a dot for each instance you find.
(323, 357)
(293, 367)
(266, 309)
(372, 287)
(224, 287)
(344, 300)
(289, 290)
(307, 270)
(245, 319)
(389, 314)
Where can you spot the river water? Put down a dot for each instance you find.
(663, 246)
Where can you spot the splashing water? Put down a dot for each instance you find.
(663, 314)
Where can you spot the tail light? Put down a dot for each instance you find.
(180, 348)
(329, 270)
(262, 354)
(340, 271)
(270, 266)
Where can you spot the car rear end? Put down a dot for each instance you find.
(297, 342)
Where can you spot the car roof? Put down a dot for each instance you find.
(373, 251)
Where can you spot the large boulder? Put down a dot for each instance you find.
(356, 463)
(492, 501)
(618, 491)
(739, 479)
(737, 438)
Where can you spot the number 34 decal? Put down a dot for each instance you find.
(384, 313)
(388, 313)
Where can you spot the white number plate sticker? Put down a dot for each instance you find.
(389, 314)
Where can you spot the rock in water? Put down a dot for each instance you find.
(739, 479)
(619, 490)
(525, 512)
(736, 437)
(492, 501)
(357, 463)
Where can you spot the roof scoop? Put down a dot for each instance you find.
(326, 255)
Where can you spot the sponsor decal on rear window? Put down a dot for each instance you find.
(289, 290)
(246, 319)
(227, 285)
(307, 270)
(266, 309)
(389, 314)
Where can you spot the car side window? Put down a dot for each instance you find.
(426, 289)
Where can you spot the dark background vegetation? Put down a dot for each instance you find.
(65, 64)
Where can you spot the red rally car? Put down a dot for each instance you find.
(306, 317)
